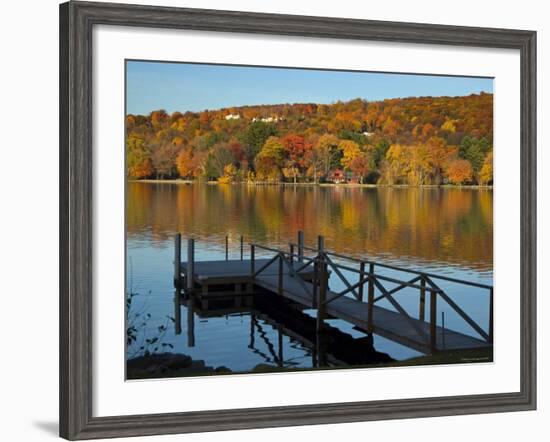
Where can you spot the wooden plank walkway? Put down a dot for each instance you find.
(386, 323)
(235, 271)
(389, 324)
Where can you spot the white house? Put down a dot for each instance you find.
(232, 116)
(268, 119)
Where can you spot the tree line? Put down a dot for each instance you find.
(414, 141)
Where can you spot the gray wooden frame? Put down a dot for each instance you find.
(76, 162)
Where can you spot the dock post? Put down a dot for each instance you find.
(433, 320)
(321, 306)
(242, 249)
(370, 300)
(291, 250)
(320, 351)
(252, 320)
(252, 263)
(361, 276)
(177, 261)
(190, 322)
(321, 244)
(280, 342)
(190, 273)
(300, 246)
(250, 284)
(314, 361)
(226, 247)
(422, 307)
(280, 285)
(443, 330)
(315, 283)
(177, 312)
(491, 315)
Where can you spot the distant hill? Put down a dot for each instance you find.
(419, 140)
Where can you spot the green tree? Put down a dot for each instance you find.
(254, 138)
(474, 151)
(218, 158)
(380, 150)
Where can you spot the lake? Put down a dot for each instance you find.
(448, 231)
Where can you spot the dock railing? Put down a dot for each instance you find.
(323, 263)
(424, 282)
(241, 247)
(375, 286)
(284, 260)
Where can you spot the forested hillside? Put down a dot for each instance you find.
(415, 141)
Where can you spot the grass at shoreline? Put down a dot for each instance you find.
(261, 183)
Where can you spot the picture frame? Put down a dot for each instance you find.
(77, 20)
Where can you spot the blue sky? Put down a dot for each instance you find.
(196, 87)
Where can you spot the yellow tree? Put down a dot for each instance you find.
(290, 172)
(269, 161)
(486, 172)
(420, 164)
(229, 174)
(138, 157)
(350, 151)
(396, 165)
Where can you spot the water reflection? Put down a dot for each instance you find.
(274, 325)
(447, 231)
(438, 226)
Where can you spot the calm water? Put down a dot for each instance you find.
(444, 231)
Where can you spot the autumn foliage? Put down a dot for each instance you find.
(459, 171)
(414, 141)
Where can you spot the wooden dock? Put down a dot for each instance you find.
(304, 281)
(234, 272)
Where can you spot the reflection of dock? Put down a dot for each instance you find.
(333, 347)
(303, 280)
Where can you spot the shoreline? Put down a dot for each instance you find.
(343, 185)
(172, 365)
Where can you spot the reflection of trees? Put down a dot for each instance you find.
(445, 224)
(451, 225)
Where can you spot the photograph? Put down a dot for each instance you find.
(291, 219)
(275, 221)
